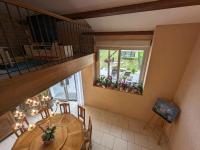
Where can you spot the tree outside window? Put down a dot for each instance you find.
(121, 64)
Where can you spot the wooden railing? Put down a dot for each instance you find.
(32, 38)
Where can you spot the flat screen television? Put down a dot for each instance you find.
(166, 109)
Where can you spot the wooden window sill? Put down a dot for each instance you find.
(117, 89)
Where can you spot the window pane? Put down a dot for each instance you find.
(103, 58)
(130, 65)
(71, 88)
(113, 64)
(58, 91)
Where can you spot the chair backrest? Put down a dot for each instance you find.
(25, 122)
(64, 108)
(81, 114)
(89, 132)
(19, 131)
(87, 144)
(44, 112)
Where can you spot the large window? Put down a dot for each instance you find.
(122, 64)
(66, 89)
(69, 89)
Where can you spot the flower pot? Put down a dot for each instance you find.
(48, 142)
(121, 89)
(98, 84)
(103, 86)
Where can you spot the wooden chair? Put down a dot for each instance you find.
(89, 133)
(19, 131)
(87, 145)
(81, 114)
(24, 126)
(44, 112)
(25, 121)
(64, 108)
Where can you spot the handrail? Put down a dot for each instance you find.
(34, 38)
(39, 10)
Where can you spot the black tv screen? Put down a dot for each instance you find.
(166, 109)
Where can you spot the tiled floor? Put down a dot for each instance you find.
(110, 132)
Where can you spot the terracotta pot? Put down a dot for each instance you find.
(121, 89)
(48, 142)
(103, 86)
(98, 84)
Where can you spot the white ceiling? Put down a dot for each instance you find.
(73, 6)
(126, 22)
(146, 20)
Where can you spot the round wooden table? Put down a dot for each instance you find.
(68, 135)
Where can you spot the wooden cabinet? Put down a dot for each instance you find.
(6, 122)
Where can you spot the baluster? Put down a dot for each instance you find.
(66, 39)
(21, 20)
(42, 39)
(5, 66)
(18, 41)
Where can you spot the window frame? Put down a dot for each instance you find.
(143, 70)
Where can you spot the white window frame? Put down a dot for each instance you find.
(144, 66)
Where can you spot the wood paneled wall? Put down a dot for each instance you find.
(10, 32)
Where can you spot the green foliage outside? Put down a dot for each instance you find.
(130, 60)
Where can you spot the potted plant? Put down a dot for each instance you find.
(103, 82)
(134, 89)
(122, 85)
(108, 81)
(128, 88)
(114, 85)
(100, 80)
(48, 134)
(137, 88)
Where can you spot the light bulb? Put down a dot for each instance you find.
(31, 127)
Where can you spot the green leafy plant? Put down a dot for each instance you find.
(140, 89)
(134, 70)
(108, 81)
(100, 80)
(48, 134)
(136, 88)
(122, 84)
(114, 85)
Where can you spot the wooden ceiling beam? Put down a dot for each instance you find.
(123, 33)
(141, 7)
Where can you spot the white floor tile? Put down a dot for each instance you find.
(97, 136)
(96, 146)
(120, 144)
(141, 139)
(108, 140)
(132, 146)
